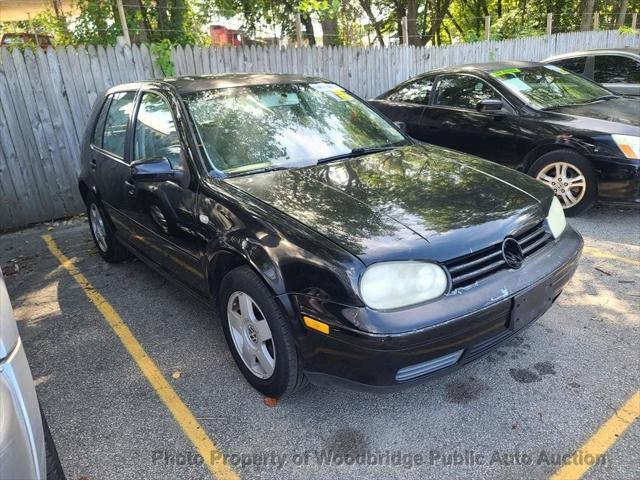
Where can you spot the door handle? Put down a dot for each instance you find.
(131, 187)
(448, 123)
(93, 164)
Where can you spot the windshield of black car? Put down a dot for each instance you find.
(549, 86)
(263, 127)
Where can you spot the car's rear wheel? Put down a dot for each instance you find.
(108, 245)
(570, 176)
(259, 334)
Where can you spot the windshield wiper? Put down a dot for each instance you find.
(357, 152)
(258, 170)
(593, 100)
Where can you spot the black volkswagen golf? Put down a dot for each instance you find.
(333, 247)
(568, 132)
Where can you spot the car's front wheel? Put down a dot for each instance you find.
(570, 176)
(259, 334)
(108, 245)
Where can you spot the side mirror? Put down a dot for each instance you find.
(490, 106)
(401, 125)
(156, 169)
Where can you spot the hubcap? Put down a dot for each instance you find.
(566, 181)
(97, 226)
(251, 335)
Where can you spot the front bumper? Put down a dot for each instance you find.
(457, 329)
(618, 179)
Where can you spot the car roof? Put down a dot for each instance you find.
(189, 84)
(580, 53)
(196, 83)
(484, 67)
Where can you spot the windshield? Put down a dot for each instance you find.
(264, 127)
(548, 86)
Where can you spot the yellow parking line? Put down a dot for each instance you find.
(602, 440)
(596, 252)
(192, 429)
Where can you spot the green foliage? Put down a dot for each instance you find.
(625, 30)
(161, 52)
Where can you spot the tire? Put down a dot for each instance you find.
(568, 165)
(107, 244)
(54, 467)
(286, 371)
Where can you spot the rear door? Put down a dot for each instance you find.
(618, 73)
(456, 123)
(109, 158)
(406, 104)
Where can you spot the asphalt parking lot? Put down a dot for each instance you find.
(508, 415)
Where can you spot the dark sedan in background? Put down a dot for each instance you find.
(334, 247)
(616, 69)
(579, 138)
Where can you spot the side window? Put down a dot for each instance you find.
(416, 92)
(616, 69)
(115, 127)
(155, 133)
(575, 65)
(98, 132)
(463, 91)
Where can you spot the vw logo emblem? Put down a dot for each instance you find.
(512, 253)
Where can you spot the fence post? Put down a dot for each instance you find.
(123, 22)
(405, 31)
(298, 31)
(596, 20)
(549, 23)
(634, 20)
(487, 27)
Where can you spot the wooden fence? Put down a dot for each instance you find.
(46, 96)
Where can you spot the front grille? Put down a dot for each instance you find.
(470, 268)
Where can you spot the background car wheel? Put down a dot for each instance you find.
(108, 245)
(571, 177)
(259, 334)
(54, 468)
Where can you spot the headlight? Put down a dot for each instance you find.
(391, 285)
(555, 219)
(629, 145)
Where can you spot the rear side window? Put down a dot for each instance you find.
(115, 127)
(416, 92)
(616, 69)
(98, 132)
(575, 65)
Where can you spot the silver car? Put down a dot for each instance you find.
(26, 447)
(616, 69)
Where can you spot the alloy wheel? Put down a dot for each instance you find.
(566, 180)
(251, 335)
(97, 226)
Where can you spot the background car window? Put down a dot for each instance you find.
(155, 133)
(98, 133)
(616, 69)
(416, 92)
(115, 127)
(463, 91)
(575, 65)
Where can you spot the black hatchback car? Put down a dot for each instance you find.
(580, 139)
(333, 246)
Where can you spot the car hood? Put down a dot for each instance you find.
(618, 115)
(411, 202)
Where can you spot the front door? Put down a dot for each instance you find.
(163, 210)
(456, 123)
